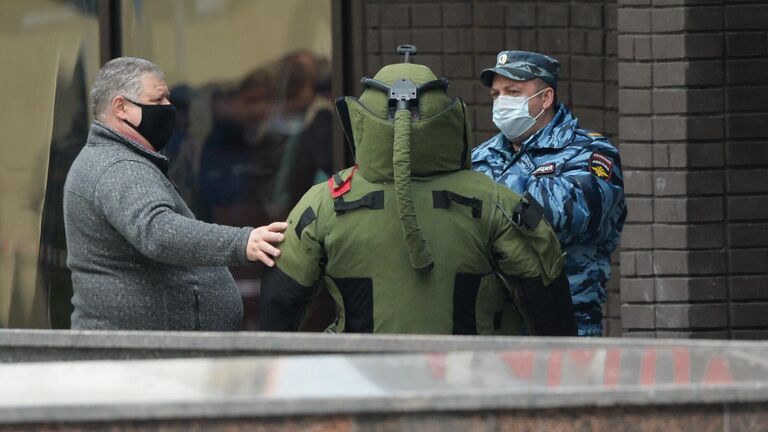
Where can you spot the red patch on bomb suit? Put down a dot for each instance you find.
(601, 166)
(338, 190)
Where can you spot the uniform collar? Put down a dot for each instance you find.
(558, 133)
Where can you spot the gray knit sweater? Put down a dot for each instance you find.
(139, 259)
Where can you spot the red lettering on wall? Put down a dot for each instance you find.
(555, 368)
(520, 363)
(718, 371)
(581, 358)
(436, 365)
(682, 359)
(612, 371)
(648, 367)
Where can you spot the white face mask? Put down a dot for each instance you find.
(511, 115)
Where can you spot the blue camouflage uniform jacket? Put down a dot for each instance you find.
(576, 175)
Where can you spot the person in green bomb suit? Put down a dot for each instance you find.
(410, 240)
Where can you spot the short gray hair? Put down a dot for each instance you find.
(120, 77)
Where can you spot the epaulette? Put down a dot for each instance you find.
(592, 135)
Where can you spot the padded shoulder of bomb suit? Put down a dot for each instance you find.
(511, 248)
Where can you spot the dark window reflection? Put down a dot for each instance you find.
(70, 129)
(268, 141)
(70, 108)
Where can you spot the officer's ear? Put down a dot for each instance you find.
(550, 99)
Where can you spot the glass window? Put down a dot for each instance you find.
(50, 53)
(251, 83)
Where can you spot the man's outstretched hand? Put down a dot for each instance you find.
(262, 243)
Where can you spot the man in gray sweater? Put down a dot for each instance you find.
(139, 259)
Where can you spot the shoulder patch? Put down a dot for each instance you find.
(547, 168)
(339, 186)
(601, 166)
(306, 218)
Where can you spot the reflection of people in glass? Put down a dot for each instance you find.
(181, 97)
(303, 118)
(139, 259)
(236, 170)
(269, 142)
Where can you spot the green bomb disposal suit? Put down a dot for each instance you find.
(410, 240)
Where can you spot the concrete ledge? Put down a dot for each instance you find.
(526, 374)
(58, 345)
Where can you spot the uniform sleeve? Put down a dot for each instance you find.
(288, 288)
(579, 201)
(530, 261)
(135, 200)
(485, 161)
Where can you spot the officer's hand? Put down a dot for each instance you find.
(262, 240)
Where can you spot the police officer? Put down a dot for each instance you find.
(409, 239)
(573, 172)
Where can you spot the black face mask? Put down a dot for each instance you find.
(157, 122)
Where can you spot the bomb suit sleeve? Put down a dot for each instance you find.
(529, 259)
(287, 288)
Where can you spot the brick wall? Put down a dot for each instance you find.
(457, 39)
(693, 78)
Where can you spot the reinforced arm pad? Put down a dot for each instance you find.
(548, 308)
(283, 301)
